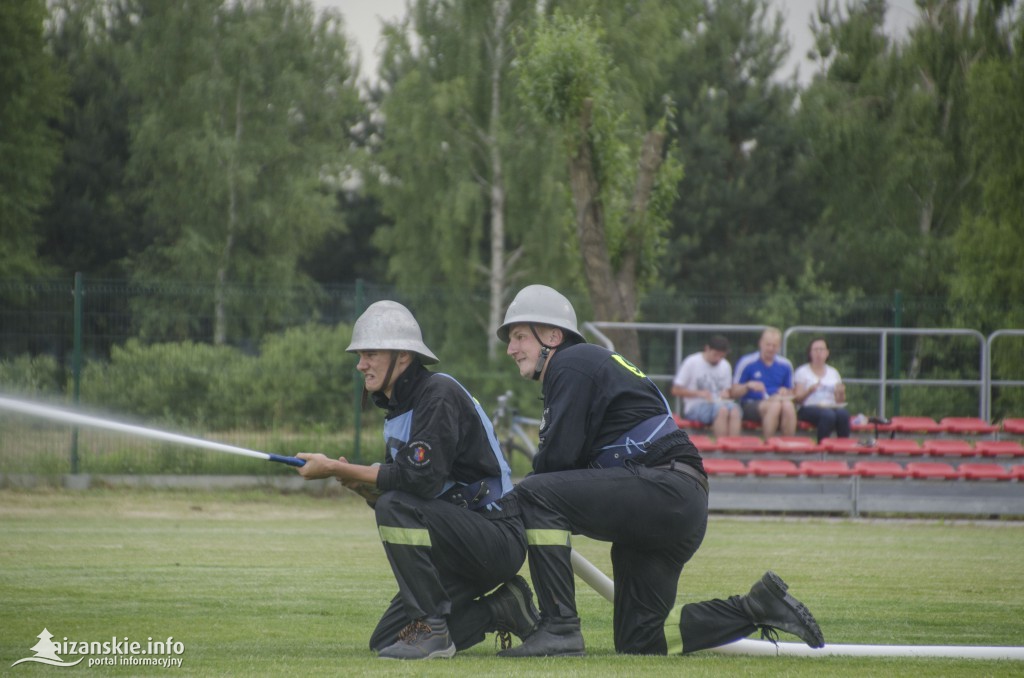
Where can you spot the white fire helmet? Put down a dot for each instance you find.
(540, 305)
(389, 326)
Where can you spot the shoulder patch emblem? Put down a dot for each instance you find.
(418, 453)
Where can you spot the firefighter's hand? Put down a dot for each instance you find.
(317, 466)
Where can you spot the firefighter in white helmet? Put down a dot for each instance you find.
(450, 528)
(612, 465)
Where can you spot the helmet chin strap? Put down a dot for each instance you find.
(545, 352)
(391, 370)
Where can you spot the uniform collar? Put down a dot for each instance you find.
(405, 385)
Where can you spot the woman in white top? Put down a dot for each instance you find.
(821, 394)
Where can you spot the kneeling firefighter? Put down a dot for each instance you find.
(612, 465)
(451, 529)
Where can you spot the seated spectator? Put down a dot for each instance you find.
(821, 394)
(763, 382)
(703, 382)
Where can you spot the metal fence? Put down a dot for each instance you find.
(992, 383)
(883, 380)
(974, 365)
(71, 321)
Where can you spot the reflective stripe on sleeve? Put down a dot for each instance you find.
(404, 535)
(547, 537)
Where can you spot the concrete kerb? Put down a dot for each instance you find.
(775, 495)
(86, 481)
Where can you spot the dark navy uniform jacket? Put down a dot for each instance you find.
(435, 435)
(593, 396)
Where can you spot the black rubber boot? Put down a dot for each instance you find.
(513, 609)
(771, 607)
(422, 639)
(554, 637)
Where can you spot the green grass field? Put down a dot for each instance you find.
(265, 584)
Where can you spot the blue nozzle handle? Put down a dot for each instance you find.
(291, 461)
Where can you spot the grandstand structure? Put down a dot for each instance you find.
(910, 465)
(962, 465)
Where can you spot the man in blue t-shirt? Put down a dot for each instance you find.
(763, 381)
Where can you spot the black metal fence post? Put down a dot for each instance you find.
(76, 366)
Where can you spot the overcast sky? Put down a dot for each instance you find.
(363, 22)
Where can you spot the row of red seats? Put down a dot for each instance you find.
(694, 425)
(910, 425)
(931, 447)
(951, 425)
(864, 469)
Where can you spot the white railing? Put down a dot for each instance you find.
(984, 383)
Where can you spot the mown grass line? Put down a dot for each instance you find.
(263, 583)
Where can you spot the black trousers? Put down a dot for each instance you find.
(655, 520)
(827, 420)
(444, 558)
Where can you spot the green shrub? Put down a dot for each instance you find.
(303, 377)
(31, 375)
(178, 383)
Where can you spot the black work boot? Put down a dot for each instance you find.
(513, 609)
(554, 637)
(422, 639)
(770, 607)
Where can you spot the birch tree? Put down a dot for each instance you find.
(244, 115)
(462, 173)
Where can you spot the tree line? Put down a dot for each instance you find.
(621, 151)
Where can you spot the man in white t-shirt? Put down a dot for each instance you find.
(703, 382)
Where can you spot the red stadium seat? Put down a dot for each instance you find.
(866, 427)
(1018, 471)
(687, 423)
(691, 424)
(846, 445)
(906, 446)
(704, 443)
(725, 467)
(914, 425)
(948, 448)
(932, 470)
(1015, 426)
(984, 472)
(999, 448)
(879, 469)
(773, 467)
(793, 444)
(743, 444)
(817, 469)
(967, 425)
